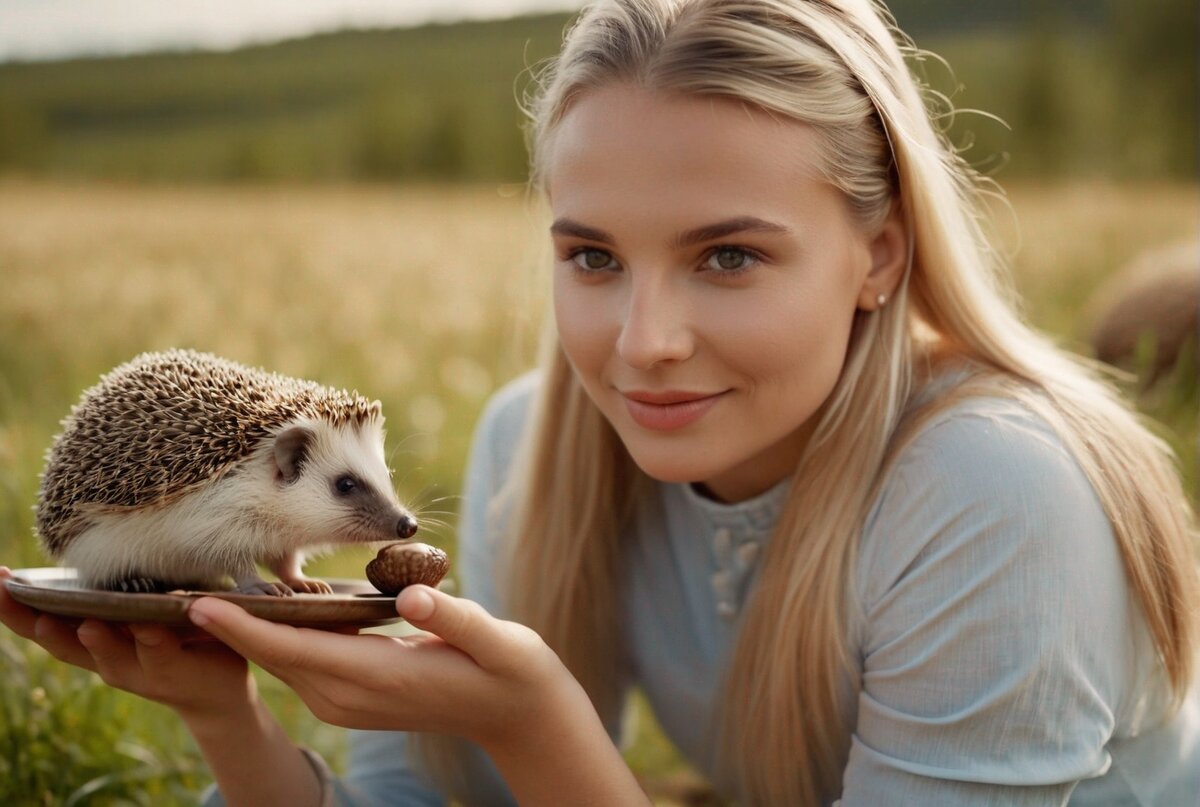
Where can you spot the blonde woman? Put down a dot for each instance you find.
(791, 465)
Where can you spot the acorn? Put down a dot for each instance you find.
(405, 564)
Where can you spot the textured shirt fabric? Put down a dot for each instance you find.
(1002, 658)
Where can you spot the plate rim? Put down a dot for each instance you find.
(26, 584)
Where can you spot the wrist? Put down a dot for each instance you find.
(252, 759)
(556, 706)
(563, 754)
(216, 721)
(215, 714)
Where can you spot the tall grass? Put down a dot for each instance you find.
(425, 297)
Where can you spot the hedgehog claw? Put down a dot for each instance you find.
(139, 585)
(263, 587)
(308, 585)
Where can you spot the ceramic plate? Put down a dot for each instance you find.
(54, 590)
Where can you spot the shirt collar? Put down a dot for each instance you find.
(755, 515)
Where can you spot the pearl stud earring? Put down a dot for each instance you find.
(880, 300)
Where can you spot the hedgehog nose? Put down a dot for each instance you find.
(406, 527)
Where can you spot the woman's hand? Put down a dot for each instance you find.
(478, 677)
(494, 682)
(187, 671)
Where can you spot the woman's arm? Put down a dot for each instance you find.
(575, 763)
(491, 681)
(998, 626)
(253, 761)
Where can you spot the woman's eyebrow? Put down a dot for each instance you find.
(572, 227)
(723, 229)
(709, 232)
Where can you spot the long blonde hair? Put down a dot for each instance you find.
(839, 67)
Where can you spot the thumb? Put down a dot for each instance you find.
(465, 624)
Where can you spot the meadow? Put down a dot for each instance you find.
(427, 297)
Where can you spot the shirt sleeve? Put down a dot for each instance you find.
(995, 626)
(380, 772)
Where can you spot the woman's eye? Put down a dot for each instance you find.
(592, 260)
(345, 484)
(730, 260)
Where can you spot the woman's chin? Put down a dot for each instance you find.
(668, 468)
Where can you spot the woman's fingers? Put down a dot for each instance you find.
(274, 647)
(466, 675)
(115, 657)
(60, 640)
(92, 646)
(494, 644)
(20, 619)
(155, 647)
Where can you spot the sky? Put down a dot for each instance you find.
(52, 29)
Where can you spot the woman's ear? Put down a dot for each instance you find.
(889, 259)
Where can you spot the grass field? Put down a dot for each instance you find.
(425, 297)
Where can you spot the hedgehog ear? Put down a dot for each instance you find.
(291, 449)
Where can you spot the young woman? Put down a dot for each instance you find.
(791, 465)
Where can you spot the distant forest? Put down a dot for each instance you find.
(1090, 88)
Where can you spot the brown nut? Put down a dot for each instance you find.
(405, 564)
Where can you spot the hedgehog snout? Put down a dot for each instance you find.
(406, 527)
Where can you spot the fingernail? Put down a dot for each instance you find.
(418, 605)
(86, 634)
(150, 638)
(197, 616)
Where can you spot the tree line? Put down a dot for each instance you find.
(1097, 88)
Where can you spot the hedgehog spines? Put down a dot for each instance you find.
(161, 425)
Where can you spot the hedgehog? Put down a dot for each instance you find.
(182, 469)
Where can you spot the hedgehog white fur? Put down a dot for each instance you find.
(180, 469)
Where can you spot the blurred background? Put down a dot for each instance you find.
(1090, 88)
(334, 190)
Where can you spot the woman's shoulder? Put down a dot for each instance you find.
(991, 593)
(981, 428)
(988, 435)
(984, 476)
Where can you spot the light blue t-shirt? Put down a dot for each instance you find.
(1003, 660)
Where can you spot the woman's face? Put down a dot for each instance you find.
(705, 280)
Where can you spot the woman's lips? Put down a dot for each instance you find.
(670, 410)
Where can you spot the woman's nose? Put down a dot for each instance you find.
(656, 327)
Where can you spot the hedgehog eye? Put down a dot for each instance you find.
(345, 485)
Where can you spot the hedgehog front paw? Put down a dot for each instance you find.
(257, 585)
(308, 585)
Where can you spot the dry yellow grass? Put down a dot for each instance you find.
(297, 276)
(294, 276)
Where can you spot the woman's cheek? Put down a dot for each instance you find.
(585, 331)
(785, 344)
